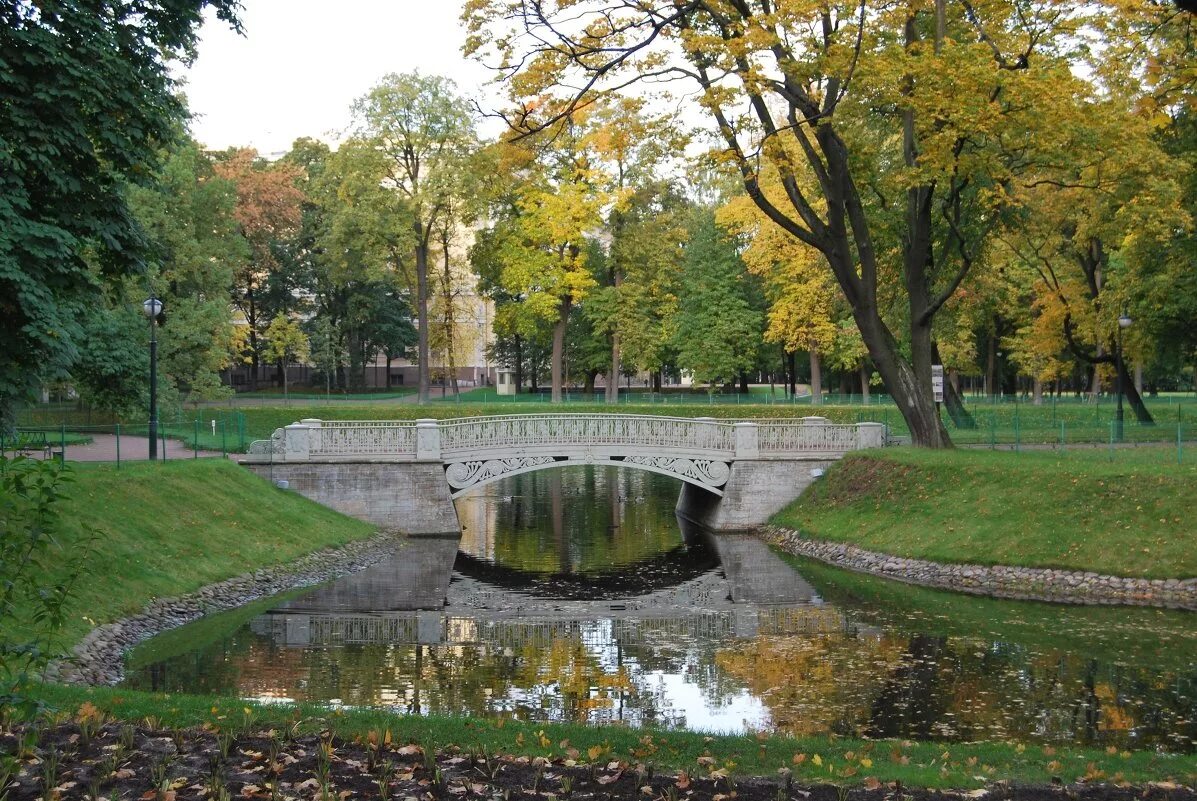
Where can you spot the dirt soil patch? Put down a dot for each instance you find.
(91, 761)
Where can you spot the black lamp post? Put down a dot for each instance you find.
(152, 308)
(1124, 321)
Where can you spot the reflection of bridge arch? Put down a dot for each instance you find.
(735, 474)
(479, 628)
(661, 571)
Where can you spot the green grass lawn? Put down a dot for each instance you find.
(837, 760)
(166, 529)
(1074, 509)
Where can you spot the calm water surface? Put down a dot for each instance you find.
(575, 595)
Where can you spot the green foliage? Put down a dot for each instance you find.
(113, 369)
(717, 328)
(88, 100)
(187, 215)
(37, 574)
(286, 343)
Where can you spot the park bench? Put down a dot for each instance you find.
(30, 442)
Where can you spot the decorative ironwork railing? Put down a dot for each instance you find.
(363, 438)
(622, 435)
(586, 430)
(789, 436)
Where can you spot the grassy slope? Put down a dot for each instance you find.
(166, 529)
(840, 760)
(1132, 517)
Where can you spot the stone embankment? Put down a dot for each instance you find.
(1000, 581)
(99, 656)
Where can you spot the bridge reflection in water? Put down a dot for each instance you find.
(402, 600)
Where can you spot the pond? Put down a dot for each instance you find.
(577, 595)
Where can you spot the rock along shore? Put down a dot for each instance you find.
(999, 581)
(99, 657)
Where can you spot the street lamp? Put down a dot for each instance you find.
(1124, 321)
(152, 308)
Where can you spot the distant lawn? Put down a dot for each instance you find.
(167, 529)
(1133, 516)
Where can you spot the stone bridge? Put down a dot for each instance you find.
(405, 474)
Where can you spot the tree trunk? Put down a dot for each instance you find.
(865, 374)
(743, 383)
(612, 394)
(792, 369)
(423, 354)
(1134, 398)
(1139, 377)
(1036, 391)
(816, 378)
(557, 368)
(657, 380)
(1095, 384)
(588, 385)
(389, 360)
(450, 312)
(991, 365)
(519, 364)
(252, 318)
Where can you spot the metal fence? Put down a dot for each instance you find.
(121, 442)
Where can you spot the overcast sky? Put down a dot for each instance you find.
(301, 63)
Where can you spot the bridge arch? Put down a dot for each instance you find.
(698, 471)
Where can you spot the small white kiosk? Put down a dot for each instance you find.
(505, 381)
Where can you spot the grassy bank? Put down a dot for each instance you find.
(812, 760)
(165, 529)
(1074, 510)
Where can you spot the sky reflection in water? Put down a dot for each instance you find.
(576, 596)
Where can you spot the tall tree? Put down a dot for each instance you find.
(425, 131)
(286, 343)
(717, 327)
(88, 102)
(269, 210)
(627, 152)
(537, 253)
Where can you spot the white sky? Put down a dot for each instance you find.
(302, 63)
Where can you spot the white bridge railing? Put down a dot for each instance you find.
(602, 435)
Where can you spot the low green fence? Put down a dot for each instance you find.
(212, 434)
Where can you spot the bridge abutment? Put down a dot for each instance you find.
(411, 497)
(756, 490)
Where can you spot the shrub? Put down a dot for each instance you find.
(31, 604)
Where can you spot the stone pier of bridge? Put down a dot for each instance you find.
(404, 475)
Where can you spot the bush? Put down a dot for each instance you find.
(31, 604)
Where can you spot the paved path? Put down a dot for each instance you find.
(132, 449)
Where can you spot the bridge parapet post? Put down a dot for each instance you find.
(297, 443)
(870, 435)
(428, 440)
(747, 441)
